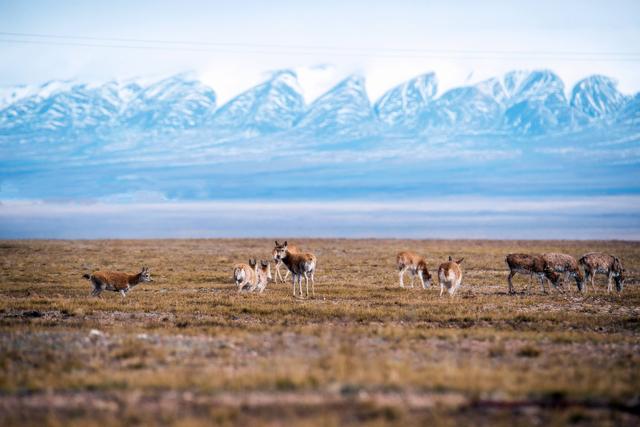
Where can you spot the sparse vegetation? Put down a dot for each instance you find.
(363, 351)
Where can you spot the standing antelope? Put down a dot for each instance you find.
(563, 263)
(450, 276)
(525, 264)
(294, 250)
(116, 281)
(263, 275)
(416, 265)
(300, 264)
(597, 262)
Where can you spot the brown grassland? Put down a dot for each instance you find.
(189, 350)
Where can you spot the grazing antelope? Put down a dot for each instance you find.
(416, 265)
(563, 263)
(450, 276)
(300, 264)
(116, 281)
(525, 264)
(597, 262)
(294, 250)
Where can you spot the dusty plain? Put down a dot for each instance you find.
(189, 350)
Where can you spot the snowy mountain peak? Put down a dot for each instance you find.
(402, 104)
(178, 101)
(519, 102)
(270, 106)
(345, 109)
(597, 96)
(520, 85)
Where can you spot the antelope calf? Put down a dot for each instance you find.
(525, 264)
(299, 264)
(416, 265)
(245, 275)
(263, 275)
(450, 276)
(253, 276)
(597, 262)
(563, 263)
(294, 250)
(116, 281)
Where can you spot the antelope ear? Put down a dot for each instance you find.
(277, 243)
(460, 261)
(450, 259)
(285, 243)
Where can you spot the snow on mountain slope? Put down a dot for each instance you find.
(462, 109)
(65, 106)
(273, 105)
(536, 103)
(520, 102)
(178, 102)
(630, 113)
(344, 110)
(597, 96)
(402, 105)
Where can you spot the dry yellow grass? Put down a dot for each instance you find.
(189, 350)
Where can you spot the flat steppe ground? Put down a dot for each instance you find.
(188, 349)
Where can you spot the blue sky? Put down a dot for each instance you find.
(386, 41)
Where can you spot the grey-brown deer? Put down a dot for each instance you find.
(563, 263)
(600, 263)
(532, 265)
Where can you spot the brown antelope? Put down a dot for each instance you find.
(450, 276)
(416, 265)
(116, 281)
(294, 250)
(263, 275)
(596, 262)
(563, 263)
(525, 264)
(245, 275)
(531, 265)
(253, 276)
(300, 264)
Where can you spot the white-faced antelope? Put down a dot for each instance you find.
(597, 262)
(244, 275)
(116, 281)
(416, 265)
(563, 263)
(300, 264)
(450, 276)
(294, 250)
(263, 275)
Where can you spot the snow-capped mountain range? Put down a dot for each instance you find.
(520, 103)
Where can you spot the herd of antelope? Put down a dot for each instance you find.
(556, 268)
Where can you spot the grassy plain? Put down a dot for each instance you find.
(189, 350)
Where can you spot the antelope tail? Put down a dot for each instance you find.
(86, 276)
